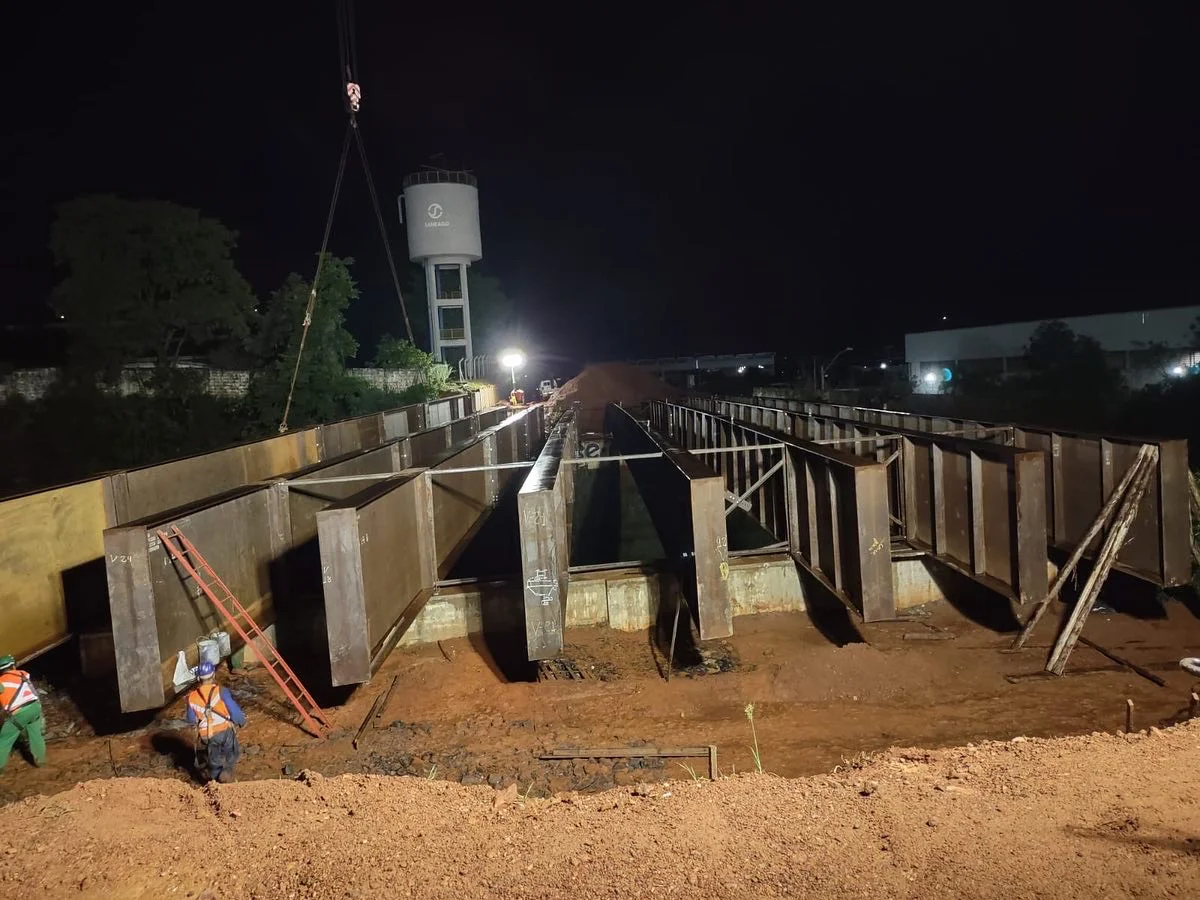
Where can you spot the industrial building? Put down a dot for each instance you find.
(1134, 342)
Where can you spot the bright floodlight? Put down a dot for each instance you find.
(930, 377)
(1178, 370)
(512, 359)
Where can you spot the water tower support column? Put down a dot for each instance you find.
(466, 309)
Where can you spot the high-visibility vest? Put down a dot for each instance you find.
(16, 691)
(212, 715)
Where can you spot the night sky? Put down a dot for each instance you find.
(729, 178)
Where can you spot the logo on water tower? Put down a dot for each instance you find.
(435, 212)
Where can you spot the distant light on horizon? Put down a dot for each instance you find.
(883, 365)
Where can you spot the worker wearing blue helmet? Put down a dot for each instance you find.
(214, 712)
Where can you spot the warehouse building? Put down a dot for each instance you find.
(1133, 341)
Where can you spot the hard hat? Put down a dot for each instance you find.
(7, 662)
(205, 670)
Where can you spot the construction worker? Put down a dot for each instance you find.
(214, 712)
(20, 713)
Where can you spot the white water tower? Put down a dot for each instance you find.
(441, 212)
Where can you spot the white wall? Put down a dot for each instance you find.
(1116, 331)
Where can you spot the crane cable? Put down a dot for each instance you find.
(312, 294)
(348, 58)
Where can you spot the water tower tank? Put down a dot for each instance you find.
(441, 213)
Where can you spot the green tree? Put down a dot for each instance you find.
(433, 377)
(145, 279)
(492, 311)
(394, 353)
(321, 380)
(1068, 379)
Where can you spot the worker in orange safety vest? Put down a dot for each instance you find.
(20, 713)
(214, 712)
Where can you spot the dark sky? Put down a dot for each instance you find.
(733, 177)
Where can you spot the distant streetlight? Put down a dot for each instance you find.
(512, 360)
(883, 365)
(1178, 370)
(825, 368)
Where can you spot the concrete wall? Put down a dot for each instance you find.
(32, 384)
(629, 600)
(623, 600)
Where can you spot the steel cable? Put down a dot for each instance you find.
(312, 294)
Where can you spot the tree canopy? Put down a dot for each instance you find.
(320, 382)
(145, 279)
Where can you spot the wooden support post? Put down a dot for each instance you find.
(1108, 555)
(368, 720)
(1129, 717)
(1096, 527)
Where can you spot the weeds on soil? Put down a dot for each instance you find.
(857, 761)
(757, 758)
(432, 773)
(691, 770)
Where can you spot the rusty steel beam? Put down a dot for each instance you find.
(1081, 470)
(156, 613)
(543, 505)
(253, 537)
(377, 567)
(53, 568)
(384, 548)
(686, 501)
(835, 511)
(976, 506)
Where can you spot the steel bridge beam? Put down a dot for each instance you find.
(544, 506)
(686, 500)
(831, 506)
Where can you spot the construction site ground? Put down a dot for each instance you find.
(1091, 816)
(936, 680)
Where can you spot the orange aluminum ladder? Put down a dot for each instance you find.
(247, 629)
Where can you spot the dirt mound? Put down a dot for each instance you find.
(1100, 815)
(597, 386)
